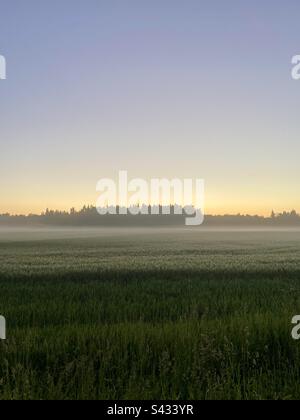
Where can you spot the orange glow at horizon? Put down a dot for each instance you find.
(217, 210)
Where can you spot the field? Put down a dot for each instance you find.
(176, 314)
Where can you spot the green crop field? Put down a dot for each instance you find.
(176, 314)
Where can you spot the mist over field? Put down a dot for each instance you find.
(182, 233)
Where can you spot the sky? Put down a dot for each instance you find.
(160, 88)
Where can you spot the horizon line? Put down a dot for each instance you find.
(92, 207)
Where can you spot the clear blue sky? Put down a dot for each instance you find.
(162, 88)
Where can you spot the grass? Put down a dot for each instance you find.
(171, 315)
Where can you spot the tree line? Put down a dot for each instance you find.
(88, 216)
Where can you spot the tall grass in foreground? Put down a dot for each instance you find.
(150, 319)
